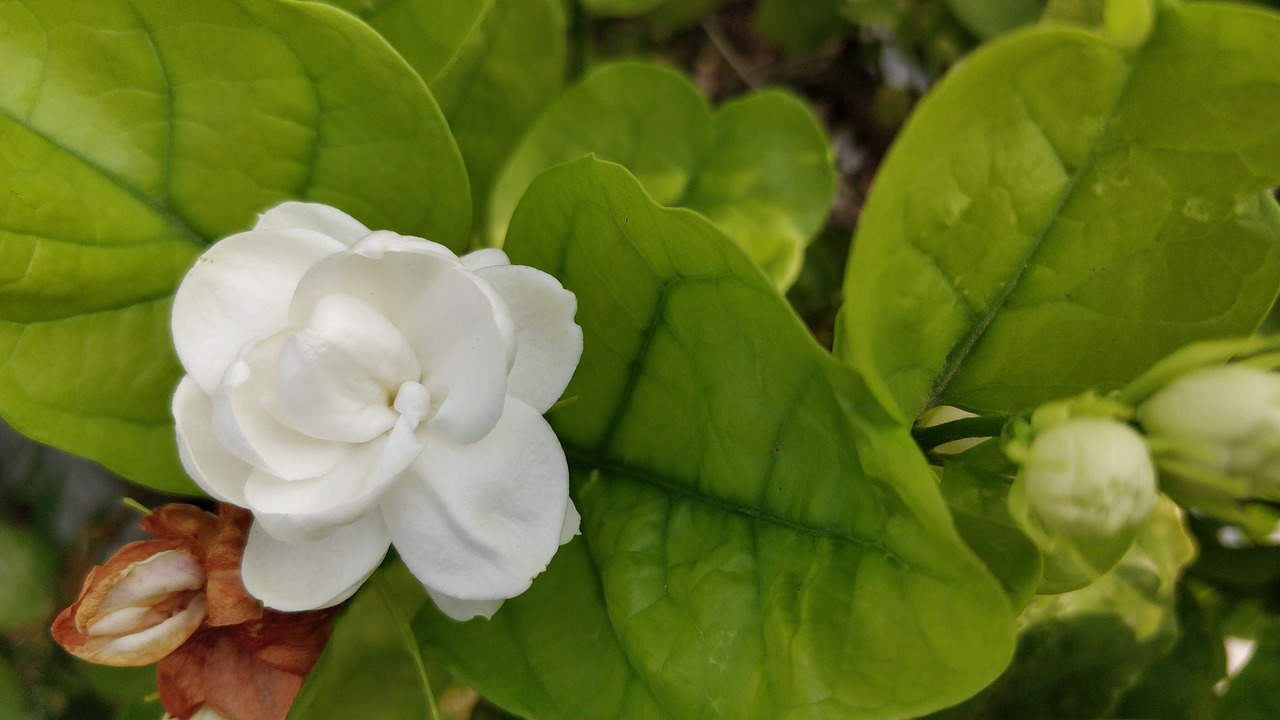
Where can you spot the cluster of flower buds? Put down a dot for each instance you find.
(1088, 466)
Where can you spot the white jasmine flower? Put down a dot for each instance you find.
(1222, 420)
(358, 389)
(1089, 477)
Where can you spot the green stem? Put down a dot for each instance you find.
(976, 427)
(402, 624)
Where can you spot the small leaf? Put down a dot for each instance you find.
(1063, 210)
(134, 133)
(759, 537)
(759, 167)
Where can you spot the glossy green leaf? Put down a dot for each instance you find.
(1064, 210)
(371, 667)
(132, 134)
(549, 653)
(491, 64)
(760, 539)
(758, 167)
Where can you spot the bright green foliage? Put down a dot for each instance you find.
(760, 539)
(134, 133)
(491, 64)
(759, 167)
(1063, 211)
(988, 18)
(371, 667)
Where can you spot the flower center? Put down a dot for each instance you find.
(413, 402)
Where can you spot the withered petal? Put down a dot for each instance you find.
(229, 602)
(213, 669)
(289, 641)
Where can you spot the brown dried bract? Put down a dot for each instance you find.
(178, 601)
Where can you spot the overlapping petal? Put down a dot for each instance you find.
(246, 421)
(216, 470)
(548, 342)
(319, 218)
(310, 509)
(480, 520)
(351, 387)
(238, 292)
(305, 576)
(336, 379)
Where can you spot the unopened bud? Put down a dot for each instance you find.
(1222, 420)
(1089, 477)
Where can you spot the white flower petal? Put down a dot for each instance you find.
(548, 342)
(307, 510)
(479, 521)
(383, 242)
(336, 379)
(465, 345)
(307, 576)
(572, 524)
(246, 421)
(238, 292)
(313, 216)
(205, 458)
(463, 610)
(458, 327)
(485, 257)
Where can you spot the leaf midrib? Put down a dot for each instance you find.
(168, 215)
(978, 330)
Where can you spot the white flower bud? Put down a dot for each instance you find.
(1089, 477)
(1225, 420)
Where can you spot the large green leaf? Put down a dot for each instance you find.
(491, 64)
(759, 167)
(1064, 209)
(760, 539)
(134, 133)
